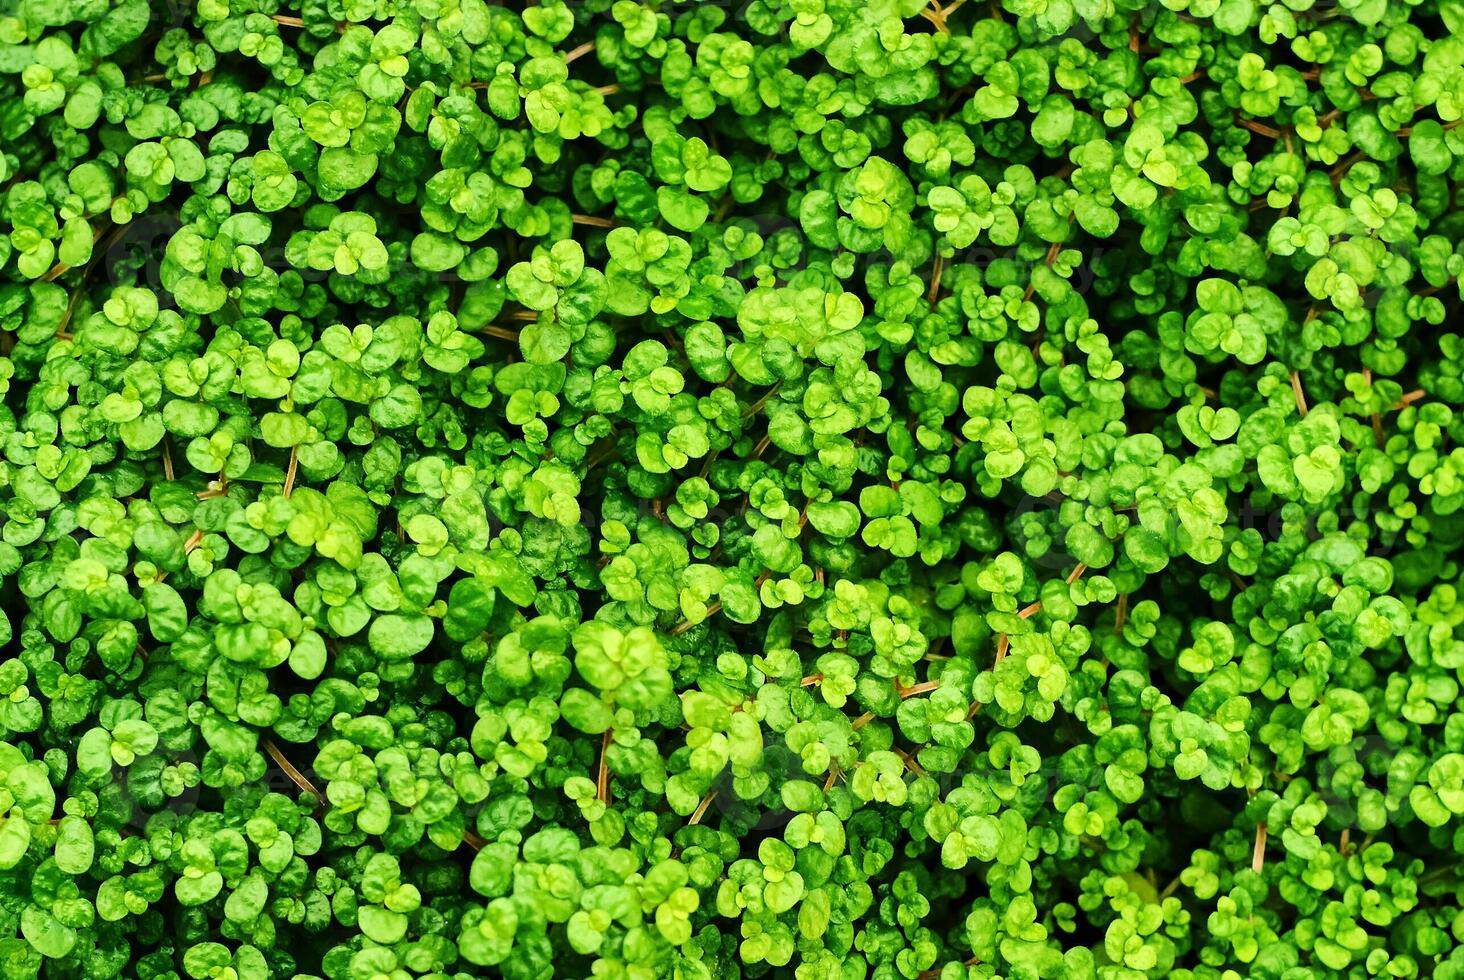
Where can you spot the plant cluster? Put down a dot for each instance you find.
(826, 489)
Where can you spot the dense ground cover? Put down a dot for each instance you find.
(804, 488)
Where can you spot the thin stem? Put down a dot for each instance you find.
(937, 14)
(1434, 875)
(1409, 399)
(701, 809)
(1377, 420)
(911, 763)
(935, 19)
(1340, 171)
(194, 540)
(1257, 127)
(574, 54)
(602, 457)
(291, 470)
(1003, 642)
(935, 280)
(592, 221)
(757, 406)
(1300, 395)
(1258, 854)
(1052, 252)
(295, 775)
(935, 971)
(602, 780)
(1408, 130)
(687, 624)
(921, 688)
(61, 268)
(61, 332)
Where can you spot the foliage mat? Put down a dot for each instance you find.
(812, 489)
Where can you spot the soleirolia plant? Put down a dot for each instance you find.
(811, 489)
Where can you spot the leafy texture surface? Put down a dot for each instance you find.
(814, 489)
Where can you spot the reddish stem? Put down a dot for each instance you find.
(602, 780)
(1409, 398)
